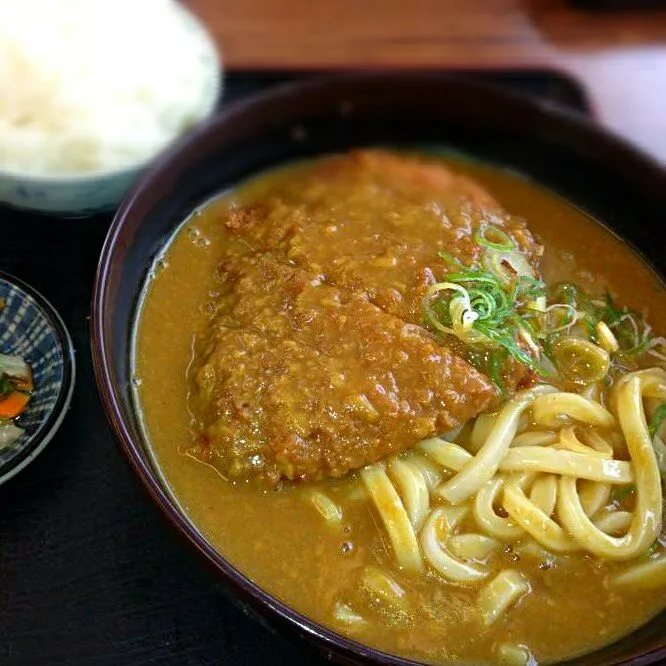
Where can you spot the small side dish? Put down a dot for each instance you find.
(36, 374)
(16, 387)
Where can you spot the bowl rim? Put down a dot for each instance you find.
(215, 88)
(262, 601)
(47, 428)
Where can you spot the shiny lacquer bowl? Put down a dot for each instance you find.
(559, 150)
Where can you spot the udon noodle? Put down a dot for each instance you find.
(545, 476)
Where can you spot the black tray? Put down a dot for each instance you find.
(89, 571)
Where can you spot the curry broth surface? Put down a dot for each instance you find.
(282, 543)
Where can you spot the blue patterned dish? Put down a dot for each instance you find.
(32, 329)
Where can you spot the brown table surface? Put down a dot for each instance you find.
(619, 56)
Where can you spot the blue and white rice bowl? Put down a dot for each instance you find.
(32, 329)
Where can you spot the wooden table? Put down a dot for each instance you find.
(619, 57)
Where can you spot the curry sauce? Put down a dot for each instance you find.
(279, 541)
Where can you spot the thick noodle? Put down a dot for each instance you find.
(533, 520)
(447, 454)
(545, 475)
(383, 587)
(614, 522)
(432, 474)
(544, 493)
(548, 410)
(593, 496)
(647, 518)
(570, 441)
(327, 508)
(535, 438)
(486, 462)
(394, 517)
(502, 592)
(473, 546)
(487, 518)
(644, 576)
(412, 488)
(569, 463)
(434, 537)
(480, 431)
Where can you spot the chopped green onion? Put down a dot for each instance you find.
(610, 313)
(475, 276)
(495, 362)
(631, 332)
(450, 259)
(433, 319)
(579, 360)
(565, 292)
(528, 288)
(657, 419)
(502, 312)
(490, 235)
(621, 331)
(657, 342)
(487, 312)
(507, 342)
(507, 265)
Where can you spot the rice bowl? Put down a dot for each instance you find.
(75, 130)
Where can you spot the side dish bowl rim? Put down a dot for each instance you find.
(39, 440)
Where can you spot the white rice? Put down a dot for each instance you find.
(97, 85)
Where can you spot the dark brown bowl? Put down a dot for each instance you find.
(596, 171)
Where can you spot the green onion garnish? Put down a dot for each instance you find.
(450, 259)
(610, 313)
(486, 313)
(496, 360)
(657, 419)
(632, 332)
(490, 235)
(500, 312)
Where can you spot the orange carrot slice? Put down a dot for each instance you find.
(13, 405)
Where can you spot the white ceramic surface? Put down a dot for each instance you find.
(66, 196)
(80, 195)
